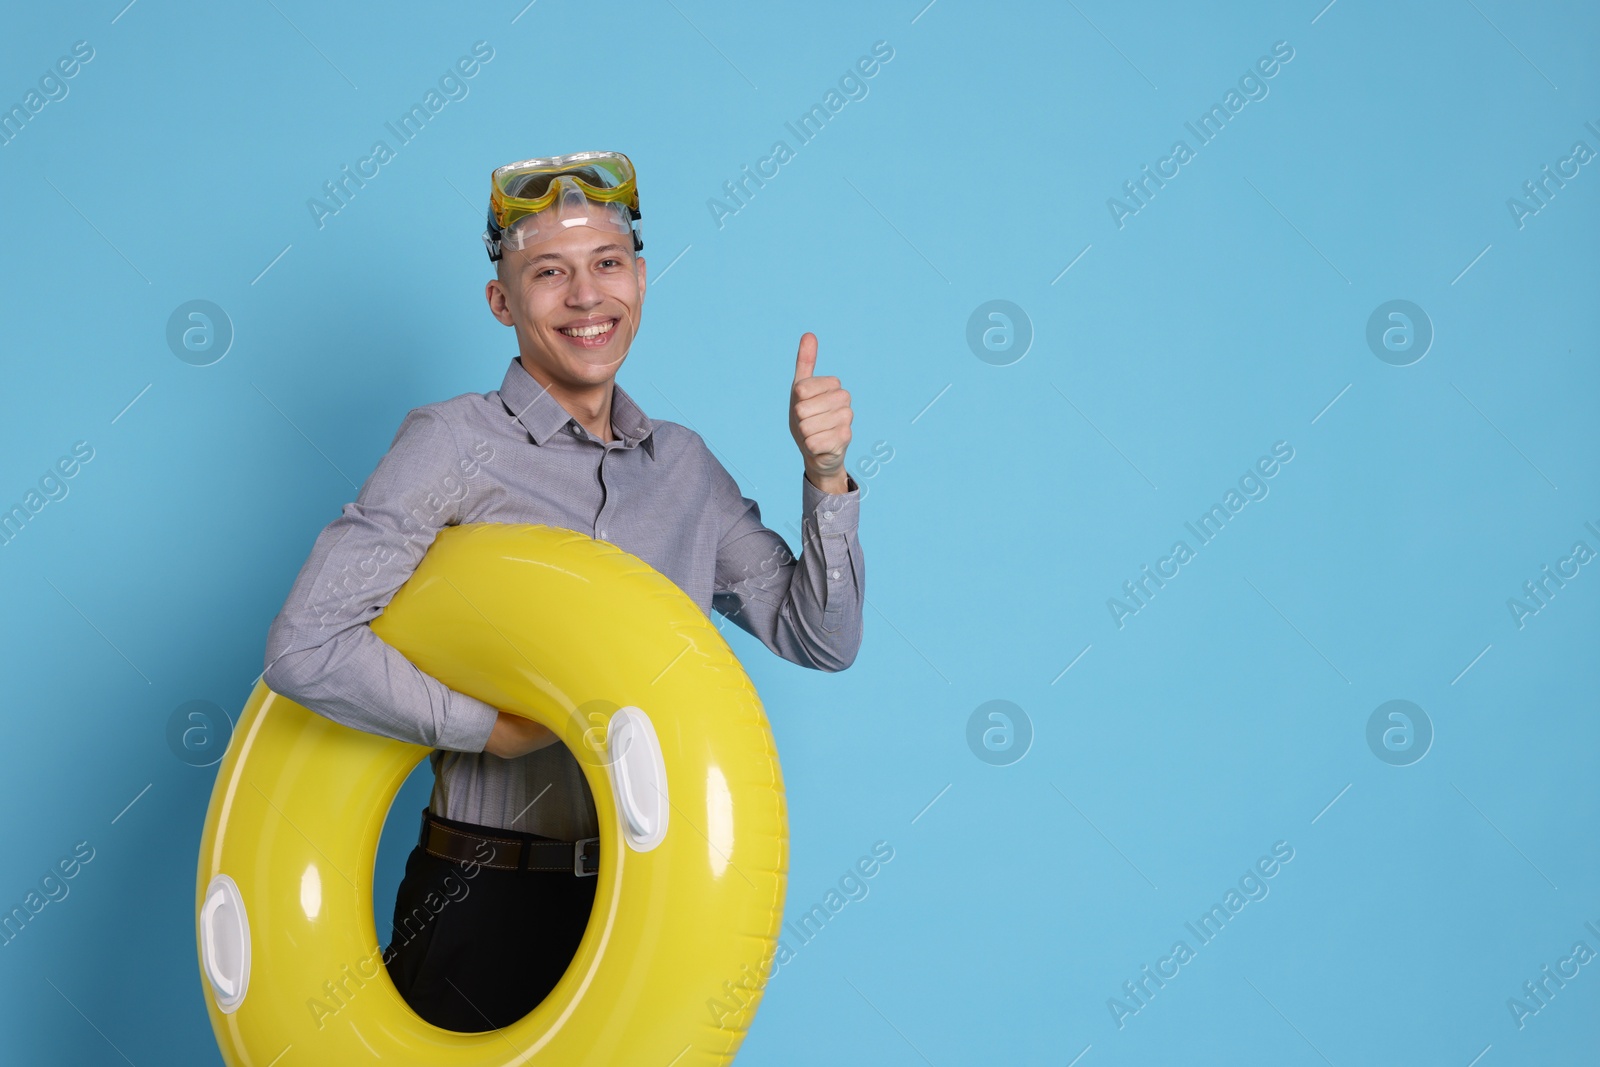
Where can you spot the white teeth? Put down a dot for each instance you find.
(589, 331)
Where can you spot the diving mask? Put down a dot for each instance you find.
(533, 200)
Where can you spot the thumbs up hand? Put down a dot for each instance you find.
(819, 419)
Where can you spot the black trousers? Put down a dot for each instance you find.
(476, 948)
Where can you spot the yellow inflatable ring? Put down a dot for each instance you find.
(617, 660)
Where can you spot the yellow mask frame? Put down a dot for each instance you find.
(566, 182)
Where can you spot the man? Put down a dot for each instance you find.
(558, 443)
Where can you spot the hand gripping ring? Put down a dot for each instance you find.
(538, 621)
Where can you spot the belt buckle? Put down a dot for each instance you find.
(578, 857)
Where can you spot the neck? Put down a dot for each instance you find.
(589, 404)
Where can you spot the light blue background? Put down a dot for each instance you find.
(1227, 315)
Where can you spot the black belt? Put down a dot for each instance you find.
(507, 853)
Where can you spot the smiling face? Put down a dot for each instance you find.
(574, 300)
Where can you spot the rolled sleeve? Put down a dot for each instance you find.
(805, 609)
(321, 651)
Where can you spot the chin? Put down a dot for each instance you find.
(591, 373)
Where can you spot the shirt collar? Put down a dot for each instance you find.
(543, 416)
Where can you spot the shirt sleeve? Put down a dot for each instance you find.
(807, 610)
(321, 651)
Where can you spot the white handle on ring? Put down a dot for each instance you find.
(638, 777)
(208, 939)
(225, 942)
(635, 808)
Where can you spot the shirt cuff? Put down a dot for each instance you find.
(836, 513)
(468, 722)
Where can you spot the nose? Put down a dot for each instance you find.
(582, 292)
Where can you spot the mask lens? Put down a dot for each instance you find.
(570, 208)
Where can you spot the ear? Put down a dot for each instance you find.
(495, 293)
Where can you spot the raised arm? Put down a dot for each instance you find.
(321, 651)
(807, 610)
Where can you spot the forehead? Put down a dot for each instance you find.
(574, 242)
(569, 249)
(561, 221)
(565, 215)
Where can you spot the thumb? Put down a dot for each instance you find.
(806, 360)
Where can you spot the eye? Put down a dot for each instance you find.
(611, 260)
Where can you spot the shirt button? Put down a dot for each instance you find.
(826, 516)
(836, 574)
(603, 533)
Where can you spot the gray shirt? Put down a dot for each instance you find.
(516, 456)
